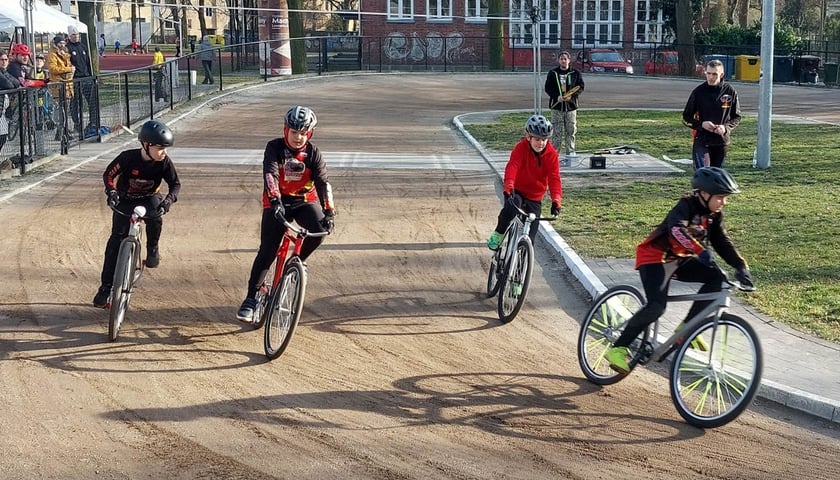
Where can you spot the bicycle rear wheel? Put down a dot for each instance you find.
(515, 283)
(712, 388)
(601, 328)
(284, 309)
(124, 275)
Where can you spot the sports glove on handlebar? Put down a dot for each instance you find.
(278, 209)
(706, 258)
(329, 220)
(744, 277)
(555, 209)
(163, 209)
(113, 198)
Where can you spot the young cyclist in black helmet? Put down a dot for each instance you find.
(295, 187)
(131, 179)
(679, 248)
(533, 169)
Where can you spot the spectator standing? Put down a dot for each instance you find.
(80, 58)
(161, 83)
(134, 46)
(563, 85)
(100, 45)
(19, 65)
(117, 46)
(7, 82)
(192, 44)
(206, 53)
(712, 111)
(61, 71)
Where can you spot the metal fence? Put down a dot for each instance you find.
(39, 123)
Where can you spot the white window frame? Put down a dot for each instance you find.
(476, 10)
(597, 23)
(648, 28)
(405, 10)
(520, 24)
(436, 13)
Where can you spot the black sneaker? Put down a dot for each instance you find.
(246, 310)
(102, 296)
(153, 258)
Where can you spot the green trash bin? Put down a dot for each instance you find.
(831, 74)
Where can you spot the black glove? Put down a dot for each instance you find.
(277, 208)
(164, 206)
(113, 198)
(706, 258)
(506, 195)
(329, 220)
(555, 209)
(744, 277)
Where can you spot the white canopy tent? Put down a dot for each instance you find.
(45, 19)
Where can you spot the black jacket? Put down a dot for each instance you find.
(80, 58)
(557, 83)
(717, 104)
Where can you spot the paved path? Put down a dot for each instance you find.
(798, 368)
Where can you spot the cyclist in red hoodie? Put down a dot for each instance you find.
(533, 169)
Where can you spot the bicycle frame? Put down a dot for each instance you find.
(294, 237)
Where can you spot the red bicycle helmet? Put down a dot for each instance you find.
(20, 49)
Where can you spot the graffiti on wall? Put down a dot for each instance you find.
(398, 46)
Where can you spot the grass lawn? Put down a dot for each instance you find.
(785, 223)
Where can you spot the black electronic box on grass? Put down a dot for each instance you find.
(597, 162)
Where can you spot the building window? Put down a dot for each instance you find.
(439, 10)
(521, 23)
(649, 28)
(400, 9)
(476, 10)
(597, 23)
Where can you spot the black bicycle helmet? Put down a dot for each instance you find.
(156, 133)
(301, 119)
(539, 126)
(714, 181)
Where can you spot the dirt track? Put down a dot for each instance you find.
(400, 368)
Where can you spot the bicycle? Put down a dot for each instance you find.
(512, 264)
(708, 388)
(129, 268)
(280, 307)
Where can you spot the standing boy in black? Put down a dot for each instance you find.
(712, 111)
(80, 58)
(563, 85)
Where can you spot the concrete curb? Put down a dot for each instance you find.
(790, 397)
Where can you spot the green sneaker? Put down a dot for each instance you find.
(516, 289)
(698, 343)
(617, 356)
(494, 241)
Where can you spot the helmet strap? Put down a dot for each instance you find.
(704, 198)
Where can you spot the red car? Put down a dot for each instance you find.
(603, 60)
(667, 63)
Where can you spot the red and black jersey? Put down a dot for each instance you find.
(687, 230)
(295, 176)
(132, 176)
(532, 174)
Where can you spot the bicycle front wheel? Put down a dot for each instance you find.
(514, 285)
(121, 289)
(284, 309)
(497, 263)
(712, 388)
(601, 328)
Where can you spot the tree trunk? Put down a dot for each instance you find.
(685, 37)
(86, 16)
(495, 35)
(298, 44)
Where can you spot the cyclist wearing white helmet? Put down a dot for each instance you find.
(679, 248)
(533, 169)
(131, 179)
(295, 187)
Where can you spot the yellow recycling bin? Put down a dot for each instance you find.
(747, 67)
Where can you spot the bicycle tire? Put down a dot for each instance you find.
(263, 296)
(710, 389)
(285, 309)
(121, 289)
(601, 327)
(514, 285)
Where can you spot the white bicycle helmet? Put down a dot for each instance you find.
(539, 126)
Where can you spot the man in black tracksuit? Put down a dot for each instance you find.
(80, 58)
(712, 111)
(563, 85)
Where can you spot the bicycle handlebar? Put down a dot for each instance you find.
(524, 213)
(138, 208)
(300, 231)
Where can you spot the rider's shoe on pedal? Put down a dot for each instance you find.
(698, 343)
(617, 356)
(494, 241)
(153, 258)
(246, 310)
(100, 300)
